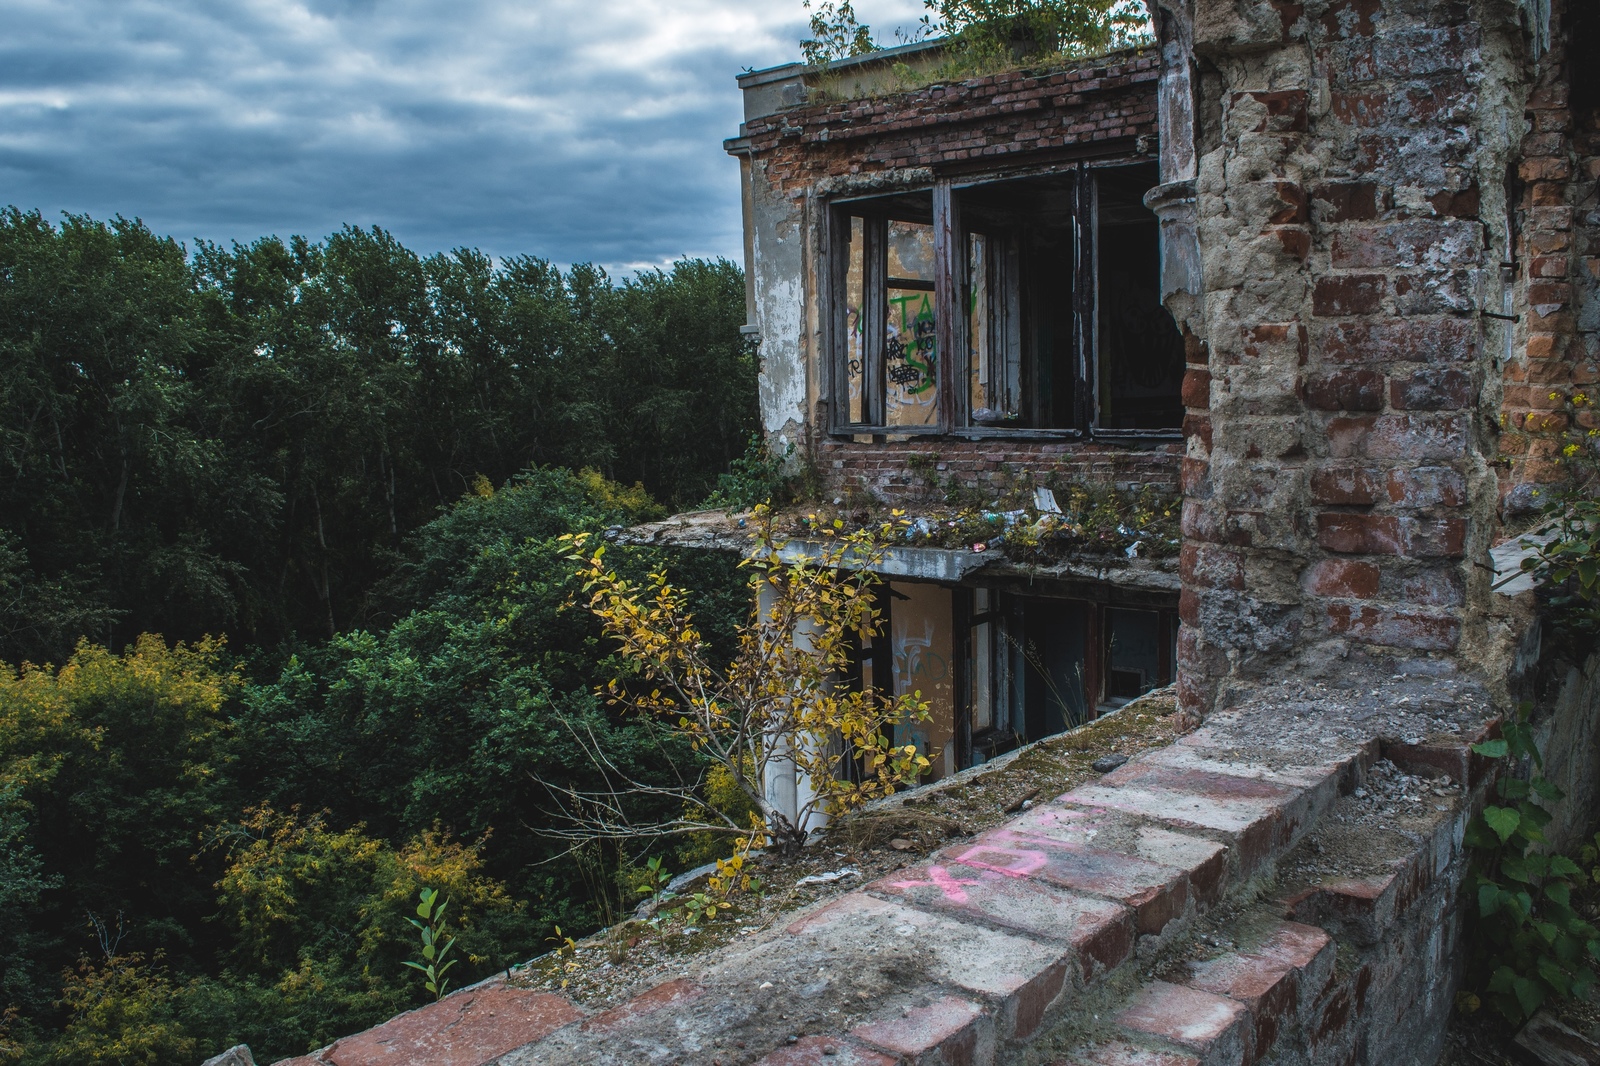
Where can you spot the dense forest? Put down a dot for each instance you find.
(285, 627)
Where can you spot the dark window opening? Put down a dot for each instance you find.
(1141, 350)
(1138, 652)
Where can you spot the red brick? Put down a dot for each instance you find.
(1395, 628)
(1547, 266)
(1285, 110)
(1344, 390)
(1418, 436)
(1462, 204)
(1347, 437)
(1410, 243)
(1251, 811)
(1215, 1027)
(1354, 294)
(1426, 486)
(672, 993)
(1271, 980)
(1293, 208)
(1549, 293)
(1210, 567)
(1274, 339)
(1546, 168)
(1198, 427)
(947, 1032)
(825, 1051)
(1360, 534)
(1432, 389)
(1436, 538)
(1101, 932)
(1295, 240)
(1353, 201)
(1189, 608)
(1359, 108)
(470, 1028)
(1442, 341)
(1345, 485)
(1546, 346)
(1197, 388)
(1343, 578)
(1155, 893)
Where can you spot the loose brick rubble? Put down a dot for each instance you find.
(1085, 930)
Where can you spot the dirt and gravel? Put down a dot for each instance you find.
(602, 969)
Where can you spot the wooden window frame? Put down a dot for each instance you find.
(952, 329)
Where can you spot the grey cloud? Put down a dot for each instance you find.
(572, 129)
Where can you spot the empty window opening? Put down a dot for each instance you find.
(1020, 302)
(1045, 288)
(1138, 653)
(999, 670)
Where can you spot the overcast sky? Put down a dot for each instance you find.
(571, 129)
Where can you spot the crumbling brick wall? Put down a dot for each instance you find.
(916, 471)
(981, 119)
(1556, 349)
(804, 154)
(1339, 483)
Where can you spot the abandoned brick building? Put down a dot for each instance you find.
(1325, 270)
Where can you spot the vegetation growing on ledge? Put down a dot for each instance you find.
(976, 38)
(1091, 521)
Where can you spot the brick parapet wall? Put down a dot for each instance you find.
(917, 471)
(996, 117)
(992, 950)
(1338, 477)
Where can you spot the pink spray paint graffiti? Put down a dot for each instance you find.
(1012, 862)
(938, 877)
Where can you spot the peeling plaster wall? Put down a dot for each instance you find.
(778, 230)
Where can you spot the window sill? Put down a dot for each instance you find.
(1104, 436)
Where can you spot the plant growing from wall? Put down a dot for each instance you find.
(755, 477)
(1567, 556)
(1000, 32)
(1532, 944)
(776, 708)
(835, 34)
(436, 943)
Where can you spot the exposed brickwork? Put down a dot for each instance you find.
(908, 471)
(1556, 346)
(985, 951)
(1346, 440)
(990, 118)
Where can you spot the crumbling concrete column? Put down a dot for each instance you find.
(1350, 208)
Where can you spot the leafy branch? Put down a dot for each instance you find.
(435, 943)
(1532, 943)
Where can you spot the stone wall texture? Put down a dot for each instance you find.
(1386, 314)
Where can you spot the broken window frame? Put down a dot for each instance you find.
(952, 331)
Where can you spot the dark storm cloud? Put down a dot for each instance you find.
(572, 129)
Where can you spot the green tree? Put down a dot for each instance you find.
(118, 765)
